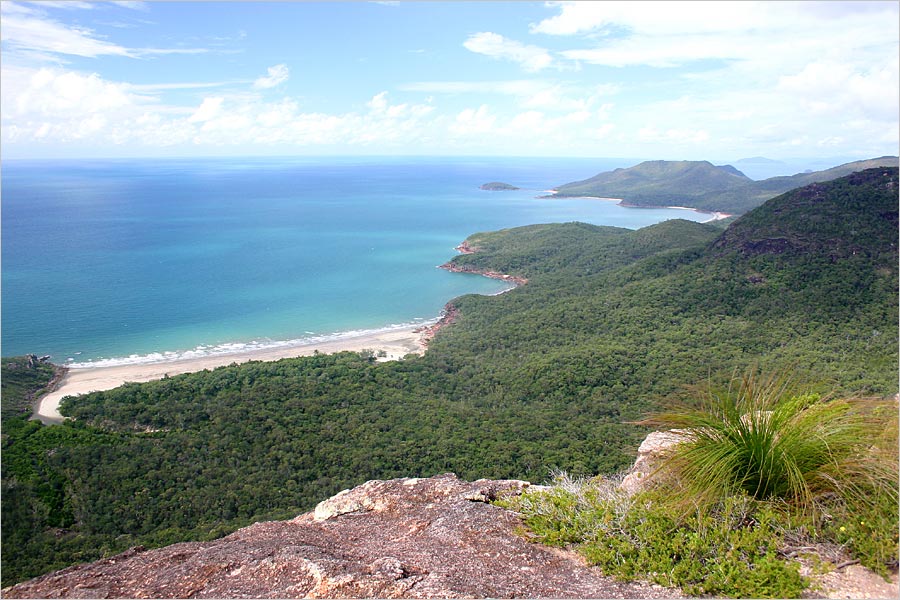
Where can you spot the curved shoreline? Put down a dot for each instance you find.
(394, 343)
(391, 343)
(716, 215)
(451, 312)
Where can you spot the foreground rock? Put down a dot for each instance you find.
(416, 538)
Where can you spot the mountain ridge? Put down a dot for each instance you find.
(696, 184)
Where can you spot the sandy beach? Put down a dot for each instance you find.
(395, 343)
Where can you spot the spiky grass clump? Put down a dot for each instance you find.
(761, 438)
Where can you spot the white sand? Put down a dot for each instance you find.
(396, 343)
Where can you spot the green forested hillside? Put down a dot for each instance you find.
(547, 375)
(658, 182)
(702, 185)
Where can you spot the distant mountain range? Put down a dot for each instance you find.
(702, 185)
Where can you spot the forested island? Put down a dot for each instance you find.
(551, 375)
(498, 186)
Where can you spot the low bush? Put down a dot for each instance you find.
(732, 551)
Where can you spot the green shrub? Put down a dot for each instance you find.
(730, 551)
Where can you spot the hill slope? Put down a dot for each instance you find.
(702, 186)
(547, 375)
(659, 182)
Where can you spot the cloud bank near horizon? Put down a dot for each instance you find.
(677, 79)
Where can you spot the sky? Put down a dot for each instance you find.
(666, 80)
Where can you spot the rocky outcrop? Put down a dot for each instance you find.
(453, 267)
(650, 454)
(427, 332)
(416, 538)
(466, 248)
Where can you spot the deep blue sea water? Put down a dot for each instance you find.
(136, 260)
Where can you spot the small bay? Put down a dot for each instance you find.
(112, 261)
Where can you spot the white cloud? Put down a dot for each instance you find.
(743, 74)
(276, 76)
(55, 94)
(654, 18)
(378, 103)
(73, 5)
(50, 106)
(769, 36)
(132, 4)
(530, 58)
(55, 105)
(473, 122)
(208, 109)
(29, 31)
(835, 89)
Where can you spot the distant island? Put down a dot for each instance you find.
(498, 186)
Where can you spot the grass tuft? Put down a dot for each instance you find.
(763, 438)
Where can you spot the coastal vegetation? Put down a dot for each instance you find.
(23, 378)
(760, 472)
(549, 375)
(701, 185)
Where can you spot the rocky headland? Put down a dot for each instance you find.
(405, 538)
(466, 248)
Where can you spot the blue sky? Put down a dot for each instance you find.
(671, 80)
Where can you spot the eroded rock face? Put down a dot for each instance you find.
(650, 453)
(416, 538)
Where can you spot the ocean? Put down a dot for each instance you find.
(121, 261)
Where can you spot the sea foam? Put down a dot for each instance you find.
(237, 348)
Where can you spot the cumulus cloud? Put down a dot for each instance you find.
(50, 106)
(668, 34)
(829, 88)
(54, 93)
(473, 121)
(530, 58)
(276, 76)
(765, 74)
(208, 109)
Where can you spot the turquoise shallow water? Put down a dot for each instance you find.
(137, 260)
